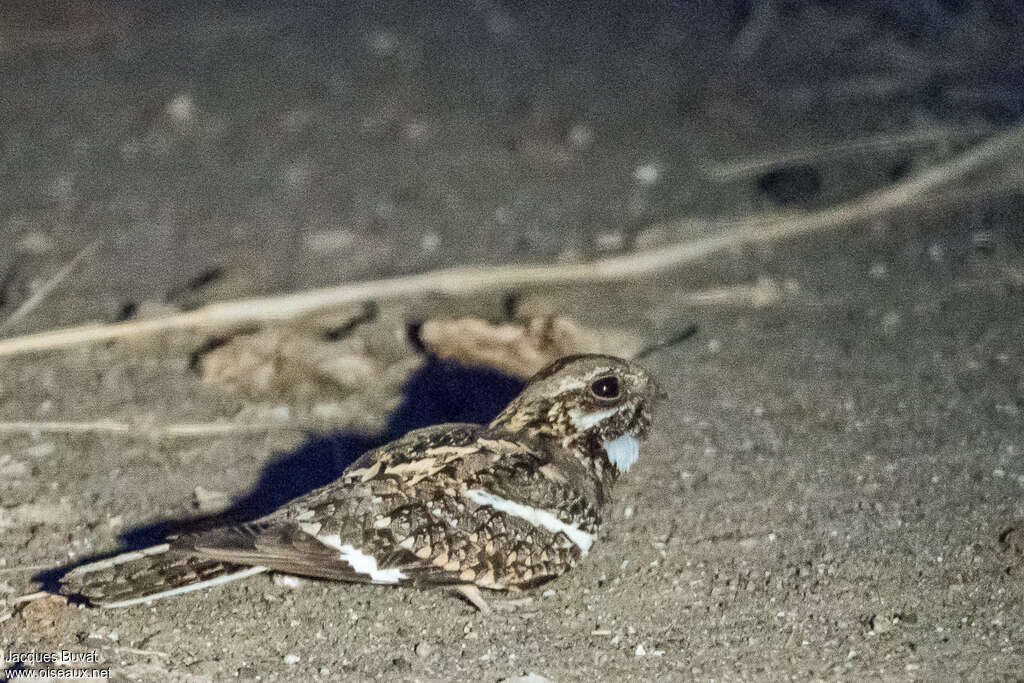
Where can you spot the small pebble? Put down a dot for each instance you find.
(430, 242)
(791, 185)
(382, 43)
(207, 500)
(292, 659)
(581, 136)
(424, 650)
(181, 109)
(42, 450)
(608, 241)
(289, 581)
(647, 174)
(415, 130)
(35, 242)
(14, 469)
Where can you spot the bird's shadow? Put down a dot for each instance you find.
(440, 391)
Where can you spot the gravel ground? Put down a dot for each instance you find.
(835, 489)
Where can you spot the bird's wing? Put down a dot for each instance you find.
(441, 505)
(287, 547)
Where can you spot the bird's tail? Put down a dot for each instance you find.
(149, 574)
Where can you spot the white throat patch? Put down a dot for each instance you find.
(623, 451)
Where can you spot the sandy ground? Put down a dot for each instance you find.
(835, 490)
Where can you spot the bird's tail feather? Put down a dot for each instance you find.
(149, 574)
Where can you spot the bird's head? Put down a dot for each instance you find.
(594, 402)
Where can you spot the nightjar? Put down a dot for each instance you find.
(509, 505)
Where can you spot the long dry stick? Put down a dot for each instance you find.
(198, 429)
(471, 280)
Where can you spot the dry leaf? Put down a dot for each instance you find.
(301, 363)
(45, 618)
(521, 348)
(1011, 542)
(356, 381)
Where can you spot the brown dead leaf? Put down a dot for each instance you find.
(355, 380)
(307, 363)
(45, 617)
(521, 348)
(1011, 542)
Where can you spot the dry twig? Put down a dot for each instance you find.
(765, 292)
(40, 294)
(137, 651)
(731, 170)
(25, 568)
(201, 429)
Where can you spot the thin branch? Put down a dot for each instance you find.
(473, 280)
(25, 568)
(98, 427)
(40, 294)
(218, 429)
(174, 430)
(30, 597)
(764, 18)
(136, 651)
(765, 292)
(731, 170)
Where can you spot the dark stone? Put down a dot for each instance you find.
(798, 184)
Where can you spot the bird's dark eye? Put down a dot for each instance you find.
(605, 387)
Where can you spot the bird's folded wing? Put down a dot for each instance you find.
(286, 547)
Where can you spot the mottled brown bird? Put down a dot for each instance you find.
(509, 505)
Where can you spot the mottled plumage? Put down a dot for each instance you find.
(509, 505)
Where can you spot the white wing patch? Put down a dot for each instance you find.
(623, 451)
(361, 562)
(584, 421)
(539, 518)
